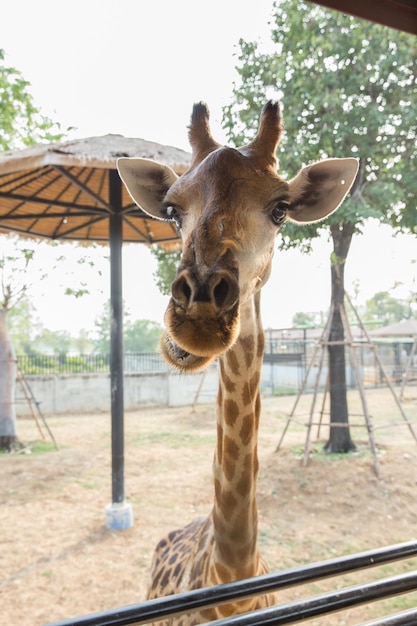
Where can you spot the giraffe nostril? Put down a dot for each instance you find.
(221, 289)
(182, 289)
(224, 290)
(220, 292)
(186, 290)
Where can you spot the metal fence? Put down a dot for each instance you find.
(284, 368)
(289, 613)
(299, 352)
(87, 363)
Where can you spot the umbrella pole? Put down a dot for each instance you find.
(119, 514)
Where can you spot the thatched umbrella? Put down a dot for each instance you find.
(72, 191)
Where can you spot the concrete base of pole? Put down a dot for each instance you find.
(119, 516)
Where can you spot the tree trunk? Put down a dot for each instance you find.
(8, 429)
(339, 438)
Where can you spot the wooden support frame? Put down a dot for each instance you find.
(321, 346)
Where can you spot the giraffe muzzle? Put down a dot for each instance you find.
(202, 318)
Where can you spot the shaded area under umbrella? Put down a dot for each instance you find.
(72, 191)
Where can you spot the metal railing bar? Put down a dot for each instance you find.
(323, 604)
(161, 608)
(405, 618)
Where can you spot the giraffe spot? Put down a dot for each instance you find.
(230, 411)
(231, 449)
(220, 396)
(246, 431)
(202, 542)
(254, 384)
(258, 306)
(251, 462)
(217, 488)
(177, 570)
(250, 470)
(242, 486)
(156, 578)
(228, 504)
(219, 443)
(261, 344)
(167, 575)
(217, 523)
(232, 362)
(246, 536)
(226, 381)
(248, 344)
(195, 574)
(250, 391)
(257, 411)
(173, 558)
(246, 394)
(229, 469)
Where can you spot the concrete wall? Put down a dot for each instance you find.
(87, 393)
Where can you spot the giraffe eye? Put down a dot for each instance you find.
(279, 212)
(173, 215)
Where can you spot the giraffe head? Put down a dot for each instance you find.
(228, 206)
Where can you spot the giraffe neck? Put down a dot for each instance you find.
(236, 459)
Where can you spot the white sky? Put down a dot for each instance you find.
(135, 68)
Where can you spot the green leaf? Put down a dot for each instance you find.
(21, 122)
(348, 87)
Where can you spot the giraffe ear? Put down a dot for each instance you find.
(320, 188)
(147, 182)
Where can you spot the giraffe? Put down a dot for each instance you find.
(228, 206)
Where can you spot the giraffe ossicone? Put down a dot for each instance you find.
(229, 206)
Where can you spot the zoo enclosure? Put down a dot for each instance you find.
(288, 353)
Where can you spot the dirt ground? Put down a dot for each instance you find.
(58, 561)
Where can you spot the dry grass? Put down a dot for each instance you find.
(57, 560)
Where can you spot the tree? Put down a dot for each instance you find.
(13, 289)
(101, 343)
(168, 260)
(301, 319)
(21, 124)
(348, 88)
(57, 342)
(384, 309)
(138, 336)
(8, 438)
(142, 336)
(22, 325)
(82, 344)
